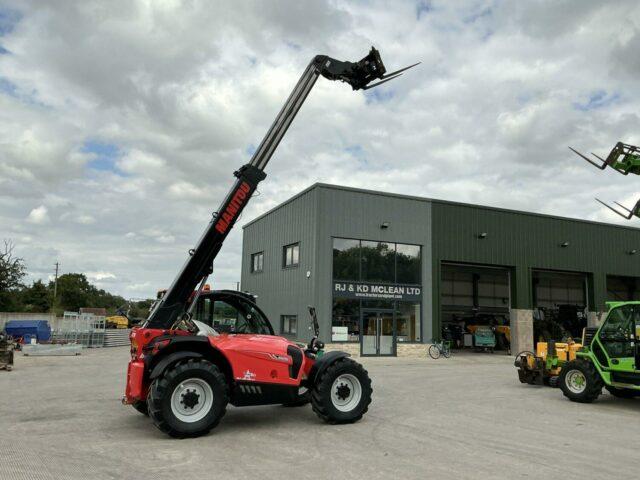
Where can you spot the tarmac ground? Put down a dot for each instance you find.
(466, 417)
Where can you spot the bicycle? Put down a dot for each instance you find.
(440, 348)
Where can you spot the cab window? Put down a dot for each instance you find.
(618, 332)
(232, 315)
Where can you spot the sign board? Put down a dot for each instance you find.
(377, 291)
(339, 334)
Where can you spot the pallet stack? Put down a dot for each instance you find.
(116, 337)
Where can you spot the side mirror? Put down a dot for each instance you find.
(314, 321)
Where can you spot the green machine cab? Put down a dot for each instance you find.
(609, 357)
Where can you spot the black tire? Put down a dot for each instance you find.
(164, 390)
(553, 381)
(302, 400)
(434, 352)
(583, 371)
(622, 392)
(141, 406)
(322, 395)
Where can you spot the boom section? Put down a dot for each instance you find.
(198, 265)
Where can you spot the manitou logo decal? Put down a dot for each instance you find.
(236, 203)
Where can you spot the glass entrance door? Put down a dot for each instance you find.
(378, 335)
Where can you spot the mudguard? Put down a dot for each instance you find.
(323, 363)
(170, 360)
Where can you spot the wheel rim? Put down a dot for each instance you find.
(346, 392)
(576, 381)
(191, 400)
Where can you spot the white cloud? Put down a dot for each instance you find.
(100, 276)
(181, 94)
(38, 215)
(85, 220)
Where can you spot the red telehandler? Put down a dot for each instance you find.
(185, 370)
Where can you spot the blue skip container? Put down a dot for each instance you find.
(38, 329)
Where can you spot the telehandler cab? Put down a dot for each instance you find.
(609, 358)
(183, 372)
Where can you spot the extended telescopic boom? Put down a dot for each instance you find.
(198, 266)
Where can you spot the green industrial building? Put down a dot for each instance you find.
(388, 273)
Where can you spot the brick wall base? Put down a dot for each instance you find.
(406, 350)
(413, 350)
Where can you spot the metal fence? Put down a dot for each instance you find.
(87, 330)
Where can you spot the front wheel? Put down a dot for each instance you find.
(342, 393)
(580, 381)
(434, 351)
(189, 399)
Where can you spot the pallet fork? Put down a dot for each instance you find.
(624, 159)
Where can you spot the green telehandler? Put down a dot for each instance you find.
(624, 159)
(609, 357)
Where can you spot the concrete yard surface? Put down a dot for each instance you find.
(467, 417)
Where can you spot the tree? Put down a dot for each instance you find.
(12, 271)
(36, 298)
(74, 291)
(12, 268)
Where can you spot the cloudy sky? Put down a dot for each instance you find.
(121, 122)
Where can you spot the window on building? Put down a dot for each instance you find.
(346, 259)
(408, 263)
(345, 324)
(291, 255)
(288, 324)
(368, 261)
(257, 262)
(378, 261)
(408, 322)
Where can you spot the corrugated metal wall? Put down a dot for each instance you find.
(351, 213)
(446, 232)
(527, 241)
(283, 291)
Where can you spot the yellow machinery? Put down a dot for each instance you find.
(543, 367)
(117, 321)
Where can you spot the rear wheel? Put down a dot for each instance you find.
(580, 381)
(189, 399)
(623, 392)
(342, 393)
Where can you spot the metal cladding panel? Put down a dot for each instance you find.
(350, 213)
(282, 291)
(445, 231)
(529, 241)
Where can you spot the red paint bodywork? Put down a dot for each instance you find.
(253, 358)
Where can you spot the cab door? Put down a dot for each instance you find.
(619, 340)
